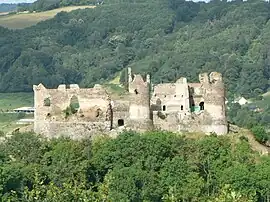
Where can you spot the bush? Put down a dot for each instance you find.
(260, 134)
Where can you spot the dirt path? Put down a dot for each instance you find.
(263, 150)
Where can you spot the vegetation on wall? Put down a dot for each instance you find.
(156, 166)
(166, 38)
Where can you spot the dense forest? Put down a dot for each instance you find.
(166, 38)
(155, 166)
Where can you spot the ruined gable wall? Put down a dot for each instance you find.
(50, 120)
(196, 92)
(174, 96)
(170, 104)
(120, 110)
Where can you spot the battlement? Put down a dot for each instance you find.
(69, 88)
(212, 78)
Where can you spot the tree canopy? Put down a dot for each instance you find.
(166, 38)
(155, 166)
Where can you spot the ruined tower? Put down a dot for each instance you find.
(214, 101)
(139, 106)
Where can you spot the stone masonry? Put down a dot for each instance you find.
(84, 113)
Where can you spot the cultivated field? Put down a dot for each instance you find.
(10, 101)
(23, 20)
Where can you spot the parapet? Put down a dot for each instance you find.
(182, 80)
(203, 78)
(213, 78)
(39, 87)
(137, 79)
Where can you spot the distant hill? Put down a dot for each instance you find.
(4, 8)
(23, 20)
(45, 5)
(166, 38)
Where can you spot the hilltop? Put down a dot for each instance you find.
(22, 20)
(5, 8)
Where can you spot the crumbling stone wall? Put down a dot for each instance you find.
(194, 107)
(94, 110)
(179, 106)
(139, 105)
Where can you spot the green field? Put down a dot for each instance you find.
(23, 20)
(9, 101)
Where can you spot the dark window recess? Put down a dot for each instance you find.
(164, 108)
(136, 91)
(201, 105)
(47, 102)
(120, 122)
(182, 107)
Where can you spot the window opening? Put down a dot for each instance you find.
(201, 105)
(120, 122)
(164, 108)
(136, 91)
(74, 104)
(158, 102)
(47, 102)
(182, 107)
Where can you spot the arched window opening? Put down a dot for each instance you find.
(182, 107)
(47, 102)
(164, 108)
(201, 105)
(74, 104)
(120, 122)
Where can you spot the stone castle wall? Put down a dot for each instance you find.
(180, 106)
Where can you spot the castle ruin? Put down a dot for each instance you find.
(181, 106)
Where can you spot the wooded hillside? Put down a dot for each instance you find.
(166, 38)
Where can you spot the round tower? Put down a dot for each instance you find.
(214, 103)
(139, 107)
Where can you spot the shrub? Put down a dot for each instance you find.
(260, 134)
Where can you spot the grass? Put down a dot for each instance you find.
(116, 80)
(9, 101)
(8, 121)
(23, 20)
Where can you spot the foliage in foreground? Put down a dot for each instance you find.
(157, 166)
